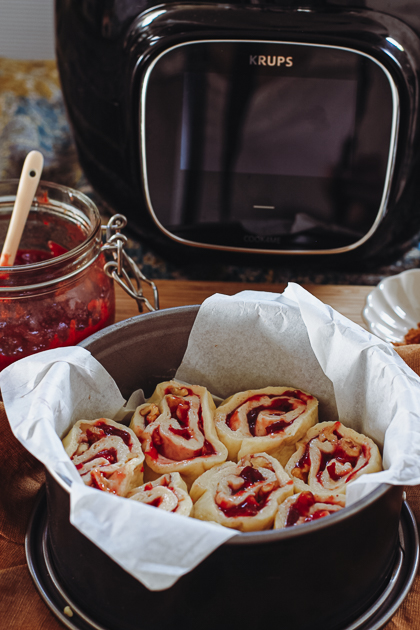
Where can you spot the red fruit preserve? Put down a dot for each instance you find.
(56, 293)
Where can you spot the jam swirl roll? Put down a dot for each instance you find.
(107, 455)
(243, 495)
(330, 456)
(177, 433)
(168, 492)
(269, 420)
(305, 507)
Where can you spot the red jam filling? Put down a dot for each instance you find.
(280, 404)
(149, 486)
(94, 483)
(179, 408)
(184, 433)
(250, 475)
(109, 453)
(98, 481)
(252, 504)
(158, 501)
(107, 429)
(305, 461)
(156, 449)
(339, 456)
(111, 430)
(55, 319)
(31, 256)
(296, 393)
(56, 249)
(208, 449)
(301, 509)
(157, 441)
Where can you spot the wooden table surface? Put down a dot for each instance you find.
(348, 300)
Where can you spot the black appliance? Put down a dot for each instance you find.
(277, 128)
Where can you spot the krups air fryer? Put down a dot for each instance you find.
(258, 128)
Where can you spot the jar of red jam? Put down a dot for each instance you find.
(57, 292)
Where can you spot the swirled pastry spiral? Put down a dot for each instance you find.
(330, 456)
(306, 507)
(107, 455)
(177, 433)
(168, 492)
(269, 420)
(243, 495)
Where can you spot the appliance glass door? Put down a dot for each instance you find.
(267, 146)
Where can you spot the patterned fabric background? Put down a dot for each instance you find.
(32, 116)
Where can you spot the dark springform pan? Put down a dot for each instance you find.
(322, 575)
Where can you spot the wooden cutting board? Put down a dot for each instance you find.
(348, 300)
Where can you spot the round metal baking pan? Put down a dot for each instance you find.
(350, 556)
(47, 580)
(353, 556)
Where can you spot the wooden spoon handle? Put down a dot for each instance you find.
(28, 183)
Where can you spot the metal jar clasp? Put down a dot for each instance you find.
(123, 268)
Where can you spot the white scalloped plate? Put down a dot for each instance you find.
(393, 307)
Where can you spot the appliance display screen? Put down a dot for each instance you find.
(292, 156)
(287, 126)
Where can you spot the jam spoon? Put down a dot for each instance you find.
(28, 183)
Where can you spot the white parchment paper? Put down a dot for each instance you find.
(255, 339)
(247, 341)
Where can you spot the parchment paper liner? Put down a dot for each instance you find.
(247, 341)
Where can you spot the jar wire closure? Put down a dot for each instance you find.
(123, 266)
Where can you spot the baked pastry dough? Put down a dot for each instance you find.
(177, 433)
(330, 456)
(107, 455)
(168, 492)
(243, 495)
(269, 420)
(306, 507)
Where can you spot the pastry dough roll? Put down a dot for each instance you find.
(169, 493)
(306, 507)
(107, 455)
(243, 495)
(330, 456)
(269, 420)
(177, 433)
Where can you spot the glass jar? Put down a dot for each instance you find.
(63, 299)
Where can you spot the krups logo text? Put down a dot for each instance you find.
(270, 60)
